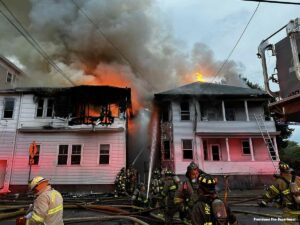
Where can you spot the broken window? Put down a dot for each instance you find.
(167, 150)
(211, 110)
(246, 147)
(187, 148)
(76, 155)
(9, 104)
(104, 154)
(185, 110)
(215, 152)
(36, 157)
(45, 107)
(62, 155)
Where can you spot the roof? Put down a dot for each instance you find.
(10, 64)
(205, 89)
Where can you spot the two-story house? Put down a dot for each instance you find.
(222, 128)
(79, 132)
(10, 74)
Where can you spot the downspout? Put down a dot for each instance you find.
(15, 138)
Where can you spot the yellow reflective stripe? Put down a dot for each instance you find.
(177, 200)
(297, 212)
(286, 191)
(173, 187)
(56, 209)
(37, 218)
(267, 195)
(208, 223)
(53, 196)
(274, 189)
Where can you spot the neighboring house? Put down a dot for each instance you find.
(80, 134)
(215, 126)
(9, 74)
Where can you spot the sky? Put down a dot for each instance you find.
(167, 40)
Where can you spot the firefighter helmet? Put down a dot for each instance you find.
(169, 173)
(284, 167)
(207, 182)
(37, 181)
(192, 167)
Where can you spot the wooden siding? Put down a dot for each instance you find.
(88, 172)
(240, 163)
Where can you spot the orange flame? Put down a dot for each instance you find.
(193, 77)
(110, 76)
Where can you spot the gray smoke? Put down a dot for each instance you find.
(155, 61)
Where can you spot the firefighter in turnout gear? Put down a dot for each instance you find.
(171, 184)
(47, 206)
(209, 209)
(131, 179)
(285, 192)
(187, 192)
(139, 197)
(156, 188)
(120, 183)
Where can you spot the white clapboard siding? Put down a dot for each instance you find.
(89, 172)
(239, 164)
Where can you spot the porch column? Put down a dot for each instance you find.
(227, 149)
(251, 149)
(223, 110)
(246, 110)
(276, 148)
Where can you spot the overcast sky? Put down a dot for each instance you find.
(215, 23)
(219, 24)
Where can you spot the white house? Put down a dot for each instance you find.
(222, 128)
(10, 74)
(80, 134)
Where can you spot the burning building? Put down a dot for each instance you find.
(9, 73)
(222, 128)
(80, 135)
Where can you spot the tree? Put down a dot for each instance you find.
(291, 155)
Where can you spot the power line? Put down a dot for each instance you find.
(236, 44)
(278, 2)
(32, 41)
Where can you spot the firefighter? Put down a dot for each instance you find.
(47, 206)
(171, 183)
(139, 197)
(131, 179)
(120, 184)
(285, 192)
(187, 192)
(156, 188)
(209, 209)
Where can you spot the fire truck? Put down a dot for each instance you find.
(286, 76)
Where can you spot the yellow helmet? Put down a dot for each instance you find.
(36, 181)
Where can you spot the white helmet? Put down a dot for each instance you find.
(36, 181)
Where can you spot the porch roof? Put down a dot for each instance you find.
(228, 135)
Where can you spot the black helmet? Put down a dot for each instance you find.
(284, 167)
(169, 173)
(207, 182)
(190, 167)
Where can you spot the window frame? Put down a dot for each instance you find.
(4, 107)
(183, 150)
(71, 154)
(242, 145)
(106, 154)
(44, 108)
(169, 150)
(11, 77)
(219, 152)
(63, 154)
(184, 113)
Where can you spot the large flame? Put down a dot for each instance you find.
(193, 77)
(199, 77)
(112, 77)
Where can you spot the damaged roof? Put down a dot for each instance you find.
(211, 89)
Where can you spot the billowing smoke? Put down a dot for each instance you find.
(133, 46)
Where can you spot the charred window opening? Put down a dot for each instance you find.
(104, 154)
(246, 147)
(9, 104)
(167, 150)
(187, 148)
(185, 110)
(76, 155)
(165, 112)
(62, 155)
(211, 110)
